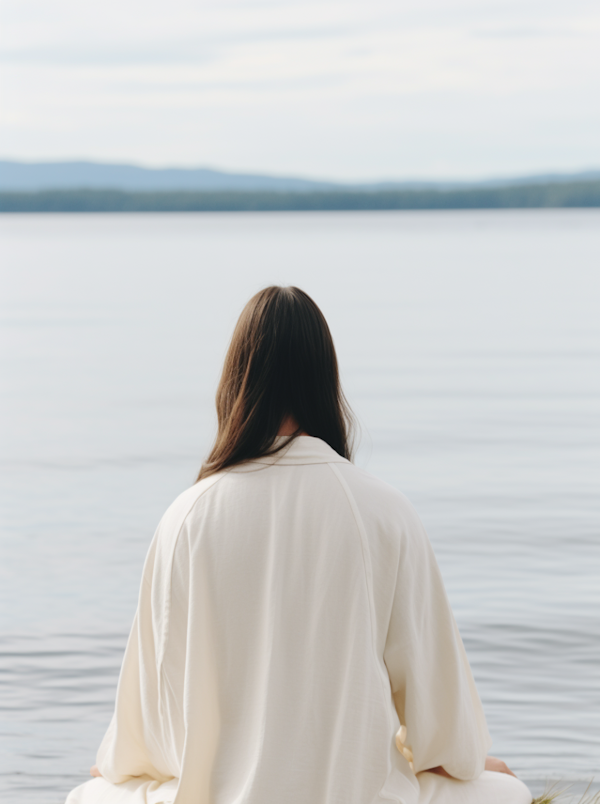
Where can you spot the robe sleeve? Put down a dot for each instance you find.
(132, 744)
(432, 685)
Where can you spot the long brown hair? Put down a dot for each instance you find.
(281, 362)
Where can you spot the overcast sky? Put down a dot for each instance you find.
(347, 90)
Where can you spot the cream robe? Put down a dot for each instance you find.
(291, 617)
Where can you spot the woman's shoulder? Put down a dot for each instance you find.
(373, 494)
(183, 504)
(390, 523)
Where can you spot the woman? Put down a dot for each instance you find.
(293, 642)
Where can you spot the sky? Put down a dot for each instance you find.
(367, 90)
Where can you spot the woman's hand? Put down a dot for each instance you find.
(94, 771)
(493, 764)
(440, 772)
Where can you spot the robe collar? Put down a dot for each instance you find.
(302, 450)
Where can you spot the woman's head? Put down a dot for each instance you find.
(281, 363)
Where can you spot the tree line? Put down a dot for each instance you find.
(527, 196)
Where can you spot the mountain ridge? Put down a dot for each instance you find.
(18, 176)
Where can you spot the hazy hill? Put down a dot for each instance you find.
(35, 176)
(28, 177)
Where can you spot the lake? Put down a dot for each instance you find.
(469, 345)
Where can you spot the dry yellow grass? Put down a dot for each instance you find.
(555, 794)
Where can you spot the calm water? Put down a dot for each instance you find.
(470, 345)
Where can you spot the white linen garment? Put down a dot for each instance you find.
(291, 617)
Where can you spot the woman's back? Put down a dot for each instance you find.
(300, 695)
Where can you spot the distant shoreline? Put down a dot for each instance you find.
(582, 194)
